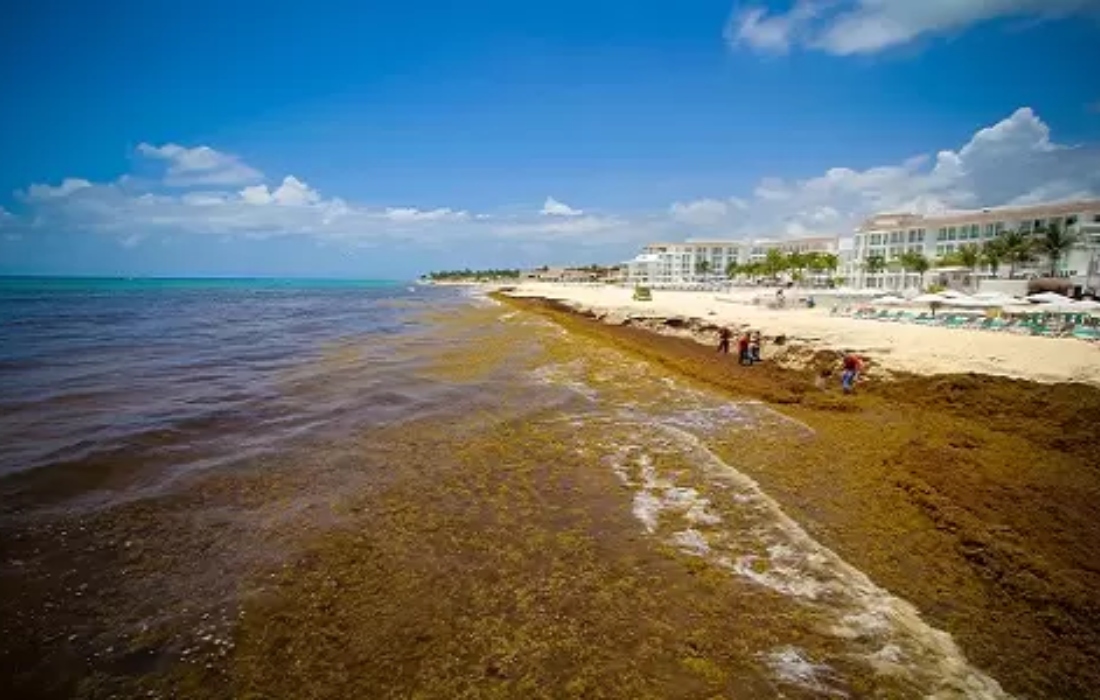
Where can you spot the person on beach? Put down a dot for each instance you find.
(853, 365)
(743, 349)
(754, 346)
(724, 337)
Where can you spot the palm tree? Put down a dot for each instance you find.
(702, 268)
(874, 263)
(915, 261)
(775, 262)
(830, 262)
(733, 269)
(1017, 248)
(1054, 241)
(796, 263)
(993, 254)
(969, 256)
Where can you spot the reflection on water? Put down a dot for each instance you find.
(172, 376)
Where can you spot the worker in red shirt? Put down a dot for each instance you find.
(743, 349)
(853, 365)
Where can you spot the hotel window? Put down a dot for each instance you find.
(951, 233)
(973, 230)
(941, 235)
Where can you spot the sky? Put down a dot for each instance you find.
(384, 140)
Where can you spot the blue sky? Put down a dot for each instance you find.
(384, 139)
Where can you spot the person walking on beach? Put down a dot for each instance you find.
(754, 346)
(724, 337)
(743, 349)
(853, 365)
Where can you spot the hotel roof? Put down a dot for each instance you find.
(978, 216)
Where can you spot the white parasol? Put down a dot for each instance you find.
(1047, 298)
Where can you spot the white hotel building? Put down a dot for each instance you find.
(890, 235)
(675, 264)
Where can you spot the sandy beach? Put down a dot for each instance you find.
(893, 347)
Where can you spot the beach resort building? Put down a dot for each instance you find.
(888, 236)
(695, 262)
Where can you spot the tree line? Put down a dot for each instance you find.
(777, 262)
(468, 274)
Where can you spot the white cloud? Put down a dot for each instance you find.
(1014, 161)
(584, 230)
(700, 212)
(845, 27)
(553, 207)
(291, 193)
(68, 186)
(764, 31)
(412, 214)
(200, 166)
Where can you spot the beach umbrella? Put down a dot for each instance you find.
(973, 303)
(1047, 298)
(997, 297)
(928, 299)
(888, 300)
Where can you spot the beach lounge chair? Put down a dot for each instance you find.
(1086, 333)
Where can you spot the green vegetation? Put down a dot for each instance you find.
(874, 263)
(1018, 249)
(470, 275)
(993, 254)
(915, 261)
(776, 263)
(1054, 241)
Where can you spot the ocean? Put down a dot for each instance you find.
(216, 488)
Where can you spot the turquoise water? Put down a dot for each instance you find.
(148, 283)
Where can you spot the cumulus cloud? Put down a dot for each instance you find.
(1014, 161)
(705, 211)
(553, 207)
(68, 186)
(756, 27)
(578, 226)
(412, 214)
(201, 165)
(845, 27)
(291, 193)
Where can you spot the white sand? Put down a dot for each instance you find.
(892, 346)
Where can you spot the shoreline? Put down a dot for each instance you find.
(800, 337)
(973, 497)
